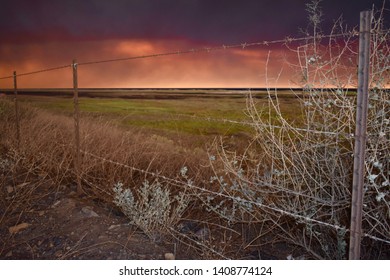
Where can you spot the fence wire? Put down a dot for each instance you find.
(258, 204)
(38, 71)
(243, 45)
(247, 123)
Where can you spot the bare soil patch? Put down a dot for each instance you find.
(56, 223)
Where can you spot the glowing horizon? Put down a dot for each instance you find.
(235, 68)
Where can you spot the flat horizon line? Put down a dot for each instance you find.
(174, 88)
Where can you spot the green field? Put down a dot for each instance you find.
(194, 115)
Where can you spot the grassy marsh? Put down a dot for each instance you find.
(195, 115)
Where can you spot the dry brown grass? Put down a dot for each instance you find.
(47, 144)
(112, 155)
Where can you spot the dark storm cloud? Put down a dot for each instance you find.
(197, 20)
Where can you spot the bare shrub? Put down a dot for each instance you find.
(297, 179)
(376, 211)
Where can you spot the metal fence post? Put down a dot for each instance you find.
(76, 126)
(360, 136)
(16, 111)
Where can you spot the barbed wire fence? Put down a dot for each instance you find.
(355, 230)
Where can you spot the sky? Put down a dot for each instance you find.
(48, 33)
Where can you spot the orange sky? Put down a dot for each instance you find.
(48, 33)
(275, 65)
(228, 68)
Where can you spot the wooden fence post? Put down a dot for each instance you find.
(16, 111)
(360, 136)
(76, 127)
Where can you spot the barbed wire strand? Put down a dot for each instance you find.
(247, 123)
(204, 49)
(38, 71)
(256, 124)
(193, 50)
(223, 47)
(261, 205)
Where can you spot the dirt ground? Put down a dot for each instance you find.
(59, 224)
(41, 220)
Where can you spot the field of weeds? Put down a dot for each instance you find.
(191, 113)
(195, 188)
(120, 154)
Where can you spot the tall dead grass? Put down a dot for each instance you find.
(47, 146)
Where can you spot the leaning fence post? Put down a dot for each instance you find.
(76, 126)
(16, 111)
(360, 136)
